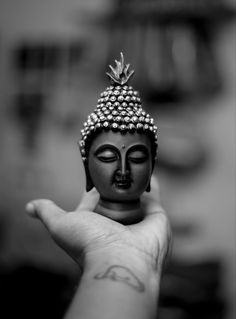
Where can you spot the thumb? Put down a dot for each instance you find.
(45, 210)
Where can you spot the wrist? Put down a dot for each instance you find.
(121, 264)
(127, 255)
(117, 282)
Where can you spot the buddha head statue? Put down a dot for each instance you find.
(118, 148)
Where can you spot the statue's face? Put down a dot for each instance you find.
(120, 165)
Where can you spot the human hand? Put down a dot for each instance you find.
(87, 236)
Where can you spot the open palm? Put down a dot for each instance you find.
(84, 234)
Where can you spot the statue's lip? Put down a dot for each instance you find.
(122, 180)
(123, 183)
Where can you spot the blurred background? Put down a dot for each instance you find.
(53, 56)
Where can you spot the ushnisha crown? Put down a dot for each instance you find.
(118, 109)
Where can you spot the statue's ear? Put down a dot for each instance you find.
(148, 189)
(89, 182)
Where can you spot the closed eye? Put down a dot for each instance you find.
(107, 156)
(138, 157)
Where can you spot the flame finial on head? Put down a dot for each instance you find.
(121, 74)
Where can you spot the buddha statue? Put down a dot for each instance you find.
(118, 148)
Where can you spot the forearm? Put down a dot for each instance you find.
(117, 287)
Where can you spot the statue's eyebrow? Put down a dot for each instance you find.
(105, 147)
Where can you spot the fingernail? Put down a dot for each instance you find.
(30, 209)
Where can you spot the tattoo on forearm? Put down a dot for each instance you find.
(122, 274)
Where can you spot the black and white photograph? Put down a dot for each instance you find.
(117, 159)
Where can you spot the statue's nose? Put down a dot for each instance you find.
(123, 170)
(122, 174)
